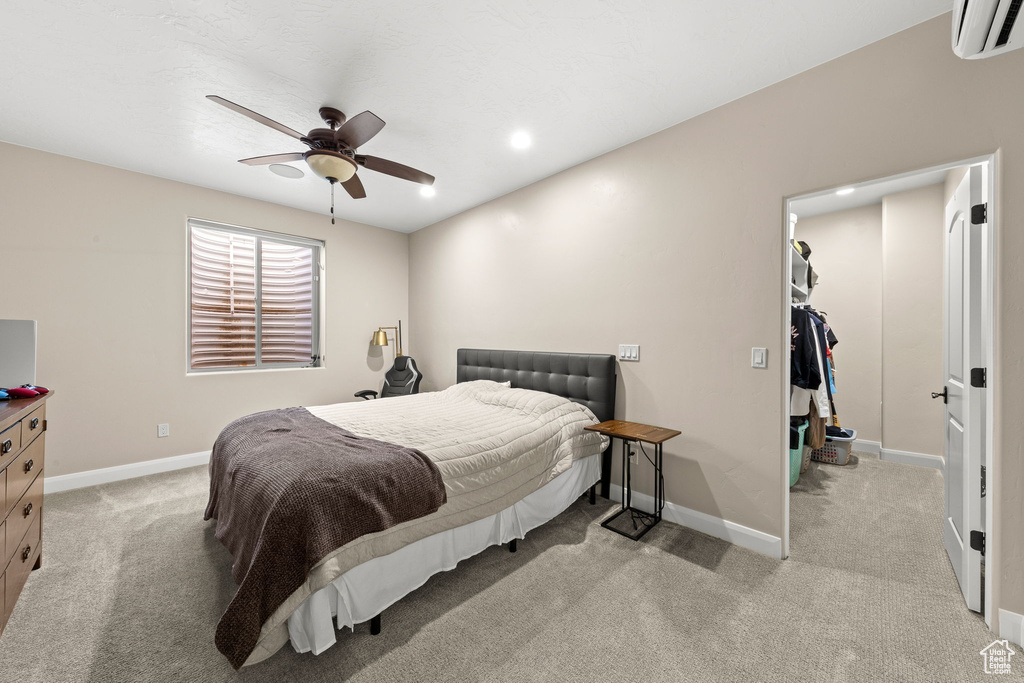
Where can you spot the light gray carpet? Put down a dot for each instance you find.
(133, 583)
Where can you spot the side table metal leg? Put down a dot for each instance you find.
(625, 468)
(659, 487)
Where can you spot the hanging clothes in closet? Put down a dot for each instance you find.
(812, 373)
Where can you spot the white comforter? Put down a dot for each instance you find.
(493, 445)
(478, 433)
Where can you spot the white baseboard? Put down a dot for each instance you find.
(737, 534)
(66, 482)
(872, 447)
(910, 458)
(1011, 626)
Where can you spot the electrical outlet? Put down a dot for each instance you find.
(634, 458)
(163, 430)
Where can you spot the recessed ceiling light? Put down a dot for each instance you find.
(521, 140)
(845, 191)
(286, 171)
(427, 191)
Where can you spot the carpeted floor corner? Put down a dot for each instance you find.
(133, 583)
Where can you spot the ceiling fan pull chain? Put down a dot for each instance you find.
(332, 202)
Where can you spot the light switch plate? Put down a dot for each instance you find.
(630, 352)
(758, 357)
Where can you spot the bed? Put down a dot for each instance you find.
(512, 455)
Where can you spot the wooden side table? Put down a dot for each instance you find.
(629, 432)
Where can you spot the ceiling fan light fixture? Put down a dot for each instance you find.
(331, 165)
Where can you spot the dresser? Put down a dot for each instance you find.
(22, 446)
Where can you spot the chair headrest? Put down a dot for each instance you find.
(401, 363)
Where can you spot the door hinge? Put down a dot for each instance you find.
(979, 214)
(984, 481)
(979, 378)
(978, 541)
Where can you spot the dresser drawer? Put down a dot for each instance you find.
(25, 555)
(26, 510)
(5, 554)
(23, 470)
(32, 426)
(10, 441)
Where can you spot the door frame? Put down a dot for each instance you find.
(989, 326)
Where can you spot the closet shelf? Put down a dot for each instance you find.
(800, 275)
(798, 258)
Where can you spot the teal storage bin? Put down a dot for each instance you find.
(796, 456)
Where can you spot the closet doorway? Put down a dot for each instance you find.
(888, 290)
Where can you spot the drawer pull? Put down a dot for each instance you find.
(28, 509)
(33, 423)
(26, 553)
(29, 464)
(6, 447)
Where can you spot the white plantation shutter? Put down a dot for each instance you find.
(287, 303)
(223, 299)
(232, 327)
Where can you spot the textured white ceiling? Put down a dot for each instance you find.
(123, 83)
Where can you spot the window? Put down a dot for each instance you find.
(254, 299)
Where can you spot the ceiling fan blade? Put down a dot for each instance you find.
(358, 130)
(272, 159)
(395, 169)
(255, 117)
(354, 186)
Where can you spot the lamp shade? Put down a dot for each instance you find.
(327, 164)
(380, 338)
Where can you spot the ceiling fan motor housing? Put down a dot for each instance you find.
(321, 138)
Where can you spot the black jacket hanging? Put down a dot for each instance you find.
(803, 361)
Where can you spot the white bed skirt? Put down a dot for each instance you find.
(366, 590)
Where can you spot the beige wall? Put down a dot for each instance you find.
(846, 252)
(675, 242)
(100, 255)
(912, 296)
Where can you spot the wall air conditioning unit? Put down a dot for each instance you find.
(986, 28)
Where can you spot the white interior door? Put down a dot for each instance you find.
(963, 350)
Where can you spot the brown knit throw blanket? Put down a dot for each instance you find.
(287, 489)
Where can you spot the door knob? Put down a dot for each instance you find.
(944, 394)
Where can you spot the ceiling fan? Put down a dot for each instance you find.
(332, 151)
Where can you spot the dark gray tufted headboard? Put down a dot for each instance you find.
(587, 378)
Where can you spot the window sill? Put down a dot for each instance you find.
(246, 371)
